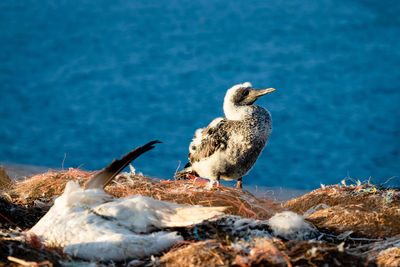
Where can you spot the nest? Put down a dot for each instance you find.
(389, 257)
(43, 188)
(25, 254)
(260, 252)
(358, 225)
(365, 210)
(5, 181)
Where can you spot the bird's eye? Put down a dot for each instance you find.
(246, 93)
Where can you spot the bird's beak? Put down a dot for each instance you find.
(255, 94)
(261, 92)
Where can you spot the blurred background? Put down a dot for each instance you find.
(83, 82)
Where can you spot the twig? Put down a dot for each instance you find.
(28, 263)
(8, 220)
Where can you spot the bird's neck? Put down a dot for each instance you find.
(237, 112)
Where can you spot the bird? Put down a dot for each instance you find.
(229, 146)
(90, 224)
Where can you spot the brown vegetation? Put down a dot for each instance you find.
(43, 188)
(365, 210)
(358, 224)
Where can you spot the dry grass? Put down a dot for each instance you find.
(18, 253)
(364, 209)
(192, 192)
(44, 187)
(389, 257)
(370, 213)
(5, 181)
(203, 253)
(260, 252)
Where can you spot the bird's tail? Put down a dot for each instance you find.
(105, 176)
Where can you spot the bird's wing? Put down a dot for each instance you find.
(105, 176)
(144, 214)
(209, 140)
(189, 215)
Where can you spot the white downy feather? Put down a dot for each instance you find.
(290, 225)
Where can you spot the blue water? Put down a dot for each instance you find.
(91, 80)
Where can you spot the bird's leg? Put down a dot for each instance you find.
(218, 180)
(239, 183)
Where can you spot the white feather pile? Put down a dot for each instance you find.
(291, 226)
(90, 224)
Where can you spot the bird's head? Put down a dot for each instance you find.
(244, 95)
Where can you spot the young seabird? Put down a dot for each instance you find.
(90, 224)
(228, 147)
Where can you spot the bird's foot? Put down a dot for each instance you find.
(239, 184)
(209, 185)
(213, 184)
(197, 180)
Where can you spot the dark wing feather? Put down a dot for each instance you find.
(105, 176)
(214, 138)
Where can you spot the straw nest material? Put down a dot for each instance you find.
(356, 224)
(363, 209)
(261, 252)
(42, 188)
(5, 181)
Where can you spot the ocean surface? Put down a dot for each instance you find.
(83, 82)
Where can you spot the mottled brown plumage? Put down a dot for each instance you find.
(228, 147)
(218, 138)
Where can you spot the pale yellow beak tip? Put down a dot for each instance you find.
(267, 91)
